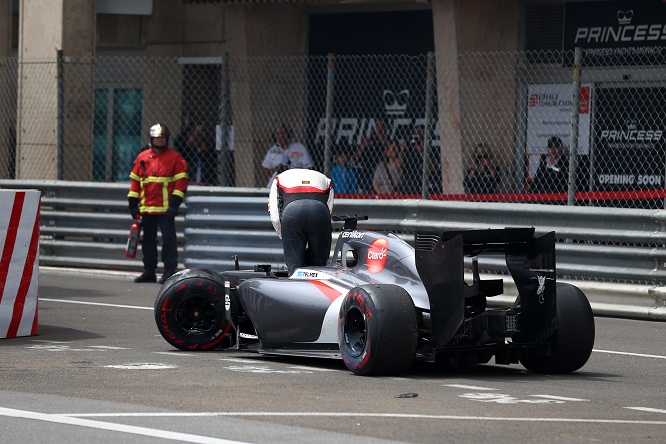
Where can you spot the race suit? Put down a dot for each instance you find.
(300, 204)
(158, 181)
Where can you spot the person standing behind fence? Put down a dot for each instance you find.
(186, 124)
(300, 203)
(284, 154)
(552, 176)
(369, 154)
(483, 176)
(343, 178)
(200, 155)
(388, 173)
(158, 182)
(412, 173)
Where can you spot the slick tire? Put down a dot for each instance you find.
(377, 330)
(189, 311)
(571, 344)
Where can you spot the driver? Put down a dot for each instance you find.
(300, 203)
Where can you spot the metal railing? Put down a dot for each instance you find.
(619, 253)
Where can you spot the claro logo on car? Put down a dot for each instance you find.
(377, 254)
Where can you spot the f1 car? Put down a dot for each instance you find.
(381, 304)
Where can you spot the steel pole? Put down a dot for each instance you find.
(573, 146)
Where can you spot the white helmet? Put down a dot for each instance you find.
(158, 130)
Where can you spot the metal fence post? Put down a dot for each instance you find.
(573, 148)
(427, 135)
(61, 95)
(330, 90)
(224, 156)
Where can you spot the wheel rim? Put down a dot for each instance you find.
(355, 332)
(196, 315)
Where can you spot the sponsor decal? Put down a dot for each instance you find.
(549, 114)
(617, 32)
(651, 180)
(560, 100)
(623, 33)
(377, 254)
(541, 281)
(352, 234)
(304, 274)
(395, 104)
(352, 130)
(629, 139)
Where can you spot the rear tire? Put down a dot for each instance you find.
(377, 330)
(189, 311)
(572, 342)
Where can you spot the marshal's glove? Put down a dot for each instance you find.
(134, 207)
(174, 203)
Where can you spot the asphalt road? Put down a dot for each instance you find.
(100, 372)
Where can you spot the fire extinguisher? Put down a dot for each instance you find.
(133, 238)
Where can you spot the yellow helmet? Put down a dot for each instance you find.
(158, 130)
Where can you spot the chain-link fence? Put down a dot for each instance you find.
(497, 126)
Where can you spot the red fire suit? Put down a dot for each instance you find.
(159, 181)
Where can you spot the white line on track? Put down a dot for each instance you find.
(468, 387)
(314, 369)
(369, 415)
(243, 361)
(559, 398)
(100, 304)
(180, 354)
(642, 355)
(647, 409)
(134, 430)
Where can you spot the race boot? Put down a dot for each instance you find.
(167, 274)
(146, 276)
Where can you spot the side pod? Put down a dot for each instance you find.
(441, 268)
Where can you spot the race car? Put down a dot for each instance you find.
(381, 304)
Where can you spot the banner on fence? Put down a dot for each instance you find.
(549, 112)
(617, 33)
(19, 268)
(630, 124)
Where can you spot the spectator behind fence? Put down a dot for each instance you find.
(483, 176)
(412, 173)
(552, 174)
(199, 152)
(285, 154)
(342, 176)
(369, 155)
(187, 121)
(388, 173)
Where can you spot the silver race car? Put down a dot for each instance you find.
(381, 304)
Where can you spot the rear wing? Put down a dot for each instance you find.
(530, 261)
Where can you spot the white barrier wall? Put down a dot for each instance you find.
(19, 266)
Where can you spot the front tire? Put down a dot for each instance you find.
(189, 311)
(377, 330)
(571, 344)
